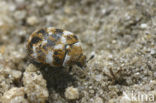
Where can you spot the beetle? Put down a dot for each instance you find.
(55, 47)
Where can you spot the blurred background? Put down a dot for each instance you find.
(120, 33)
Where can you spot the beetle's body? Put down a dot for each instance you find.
(56, 47)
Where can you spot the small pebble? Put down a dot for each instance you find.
(19, 15)
(98, 77)
(153, 51)
(71, 93)
(35, 85)
(14, 95)
(32, 20)
(31, 68)
(143, 26)
(98, 100)
(91, 91)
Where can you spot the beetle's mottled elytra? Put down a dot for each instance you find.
(56, 47)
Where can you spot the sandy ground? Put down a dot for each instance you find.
(121, 34)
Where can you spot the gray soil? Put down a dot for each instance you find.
(121, 34)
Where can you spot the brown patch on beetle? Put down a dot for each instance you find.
(58, 57)
(71, 39)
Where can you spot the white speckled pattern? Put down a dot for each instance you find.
(49, 58)
(77, 44)
(63, 40)
(67, 58)
(34, 52)
(44, 42)
(59, 46)
(67, 33)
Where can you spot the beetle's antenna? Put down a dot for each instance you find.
(91, 57)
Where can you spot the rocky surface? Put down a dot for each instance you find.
(121, 34)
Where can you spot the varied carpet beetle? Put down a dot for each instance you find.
(56, 47)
